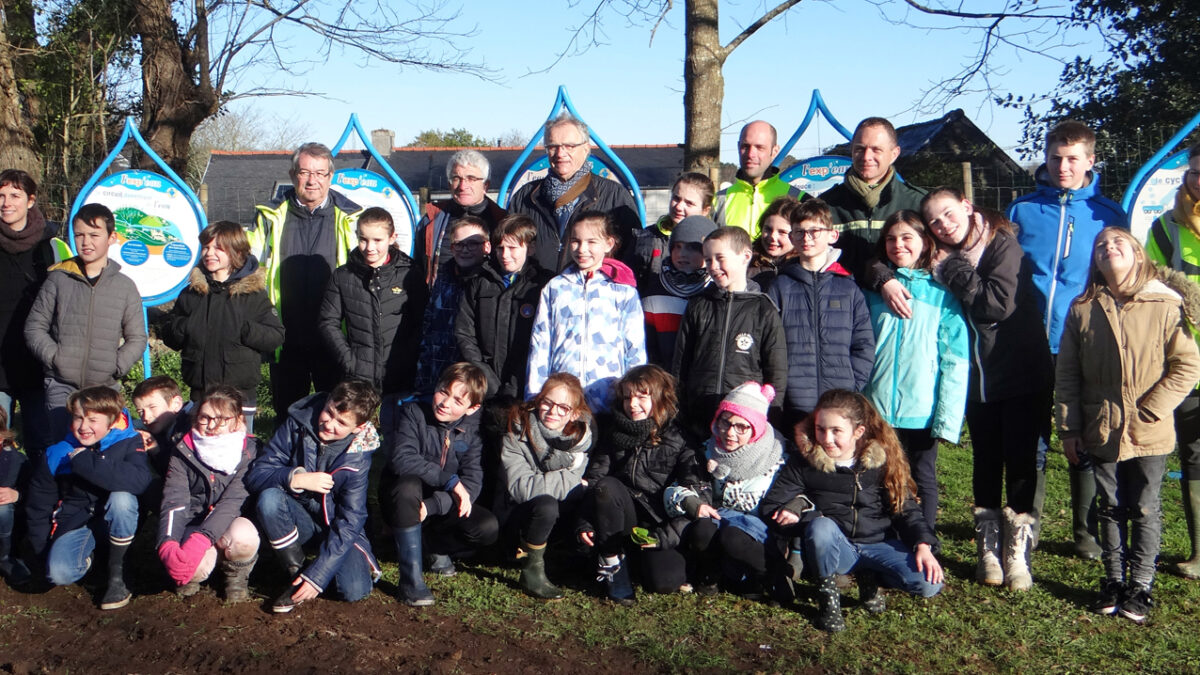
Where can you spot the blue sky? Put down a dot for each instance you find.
(631, 91)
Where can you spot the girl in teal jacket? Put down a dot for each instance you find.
(919, 384)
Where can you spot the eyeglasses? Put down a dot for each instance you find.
(459, 180)
(812, 233)
(218, 421)
(552, 148)
(305, 174)
(724, 425)
(558, 408)
(467, 245)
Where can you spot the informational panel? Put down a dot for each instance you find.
(1156, 195)
(367, 188)
(157, 227)
(817, 174)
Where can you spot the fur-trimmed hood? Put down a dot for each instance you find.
(870, 456)
(1187, 290)
(249, 279)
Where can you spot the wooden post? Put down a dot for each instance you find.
(203, 196)
(424, 197)
(968, 185)
(714, 174)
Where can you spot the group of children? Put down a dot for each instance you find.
(688, 424)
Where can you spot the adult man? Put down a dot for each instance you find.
(468, 172)
(757, 183)
(299, 240)
(570, 188)
(869, 194)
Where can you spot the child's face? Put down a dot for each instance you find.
(687, 200)
(948, 218)
(687, 257)
(1115, 258)
(904, 245)
(213, 421)
(557, 408)
(837, 434)
(152, 406)
(512, 254)
(14, 205)
(589, 246)
(812, 240)
(452, 403)
(638, 404)
(374, 239)
(470, 246)
(214, 258)
(92, 242)
(1068, 165)
(732, 431)
(777, 236)
(726, 267)
(334, 426)
(90, 427)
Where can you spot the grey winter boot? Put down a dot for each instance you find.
(413, 590)
(869, 594)
(1018, 532)
(1190, 568)
(988, 571)
(533, 572)
(116, 595)
(237, 578)
(1083, 498)
(830, 619)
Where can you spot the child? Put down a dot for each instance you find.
(13, 468)
(830, 344)
(159, 404)
(1010, 380)
(851, 491)
(201, 522)
(691, 195)
(372, 311)
(589, 319)
(439, 343)
(432, 480)
(544, 456)
(223, 322)
(640, 453)
(665, 295)
(86, 326)
(311, 484)
(919, 383)
(773, 249)
(87, 486)
(743, 455)
(730, 334)
(1056, 224)
(1127, 359)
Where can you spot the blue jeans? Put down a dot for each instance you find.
(830, 552)
(8, 515)
(286, 522)
(69, 553)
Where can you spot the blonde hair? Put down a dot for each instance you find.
(1142, 273)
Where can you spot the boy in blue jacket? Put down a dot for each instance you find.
(311, 483)
(1056, 225)
(432, 480)
(86, 486)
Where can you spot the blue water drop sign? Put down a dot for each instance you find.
(134, 253)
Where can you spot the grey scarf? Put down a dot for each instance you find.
(748, 461)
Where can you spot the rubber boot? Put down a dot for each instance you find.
(412, 589)
(1039, 503)
(441, 565)
(617, 580)
(1083, 498)
(1018, 532)
(533, 572)
(988, 571)
(291, 557)
(830, 619)
(1190, 568)
(869, 594)
(11, 567)
(116, 595)
(237, 578)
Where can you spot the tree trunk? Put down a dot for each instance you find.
(704, 86)
(16, 136)
(173, 102)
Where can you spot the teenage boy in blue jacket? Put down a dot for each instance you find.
(1056, 225)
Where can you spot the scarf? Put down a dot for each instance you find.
(13, 241)
(1187, 212)
(756, 458)
(682, 284)
(618, 272)
(555, 450)
(563, 193)
(972, 248)
(221, 453)
(870, 193)
(628, 435)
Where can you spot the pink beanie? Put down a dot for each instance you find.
(749, 401)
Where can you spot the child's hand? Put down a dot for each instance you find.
(897, 296)
(706, 511)
(422, 512)
(464, 500)
(148, 441)
(785, 517)
(313, 481)
(304, 590)
(8, 496)
(1072, 447)
(928, 563)
(587, 538)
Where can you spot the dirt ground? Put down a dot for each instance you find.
(62, 631)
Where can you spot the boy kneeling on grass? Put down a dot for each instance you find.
(85, 486)
(311, 483)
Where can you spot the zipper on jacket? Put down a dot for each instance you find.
(978, 358)
(854, 505)
(87, 350)
(896, 370)
(816, 312)
(725, 341)
(1058, 246)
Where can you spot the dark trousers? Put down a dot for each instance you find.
(615, 513)
(400, 500)
(921, 449)
(536, 518)
(299, 368)
(1187, 434)
(1004, 440)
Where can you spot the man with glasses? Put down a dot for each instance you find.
(300, 239)
(570, 188)
(467, 172)
(757, 183)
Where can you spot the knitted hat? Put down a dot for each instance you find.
(691, 230)
(749, 401)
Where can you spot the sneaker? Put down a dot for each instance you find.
(1136, 604)
(1109, 599)
(284, 603)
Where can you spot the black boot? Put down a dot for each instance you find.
(116, 595)
(11, 567)
(291, 557)
(617, 580)
(830, 619)
(412, 589)
(1083, 500)
(869, 595)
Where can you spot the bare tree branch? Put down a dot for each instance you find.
(759, 23)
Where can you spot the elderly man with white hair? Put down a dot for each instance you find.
(468, 172)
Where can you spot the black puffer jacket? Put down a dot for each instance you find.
(495, 321)
(441, 454)
(223, 329)
(198, 499)
(646, 469)
(381, 308)
(811, 485)
(725, 340)
(21, 274)
(1010, 355)
(601, 194)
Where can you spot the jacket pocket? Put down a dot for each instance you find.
(1151, 435)
(1098, 423)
